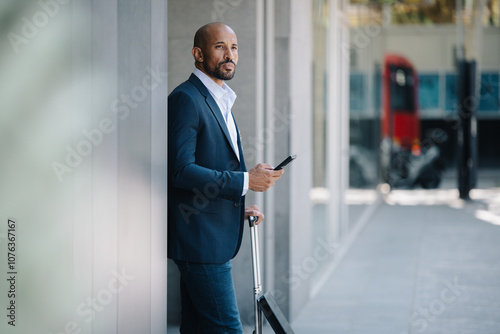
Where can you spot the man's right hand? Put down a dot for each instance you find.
(262, 177)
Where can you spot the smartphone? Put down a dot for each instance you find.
(286, 161)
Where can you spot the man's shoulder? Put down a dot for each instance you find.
(189, 87)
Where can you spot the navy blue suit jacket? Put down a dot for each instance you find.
(205, 206)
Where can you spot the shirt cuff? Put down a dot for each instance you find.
(245, 183)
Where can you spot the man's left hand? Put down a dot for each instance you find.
(254, 211)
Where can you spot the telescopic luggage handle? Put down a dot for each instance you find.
(264, 303)
(257, 284)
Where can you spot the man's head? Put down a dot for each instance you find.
(215, 51)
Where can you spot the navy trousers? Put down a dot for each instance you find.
(208, 299)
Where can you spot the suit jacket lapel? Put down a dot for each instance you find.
(242, 160)
(214, 108)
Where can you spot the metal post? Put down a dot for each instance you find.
(467, 132)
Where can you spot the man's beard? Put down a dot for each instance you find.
(219, 73)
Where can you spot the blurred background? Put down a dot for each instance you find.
(387, 222)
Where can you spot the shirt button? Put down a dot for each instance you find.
(236, 204)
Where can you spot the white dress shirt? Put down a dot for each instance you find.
(224, 97)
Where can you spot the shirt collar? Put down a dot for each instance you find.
(217, 91)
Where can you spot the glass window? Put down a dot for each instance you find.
(357, 89)
(429, 91)
(451, 92)
(489, 98)
(320, 91)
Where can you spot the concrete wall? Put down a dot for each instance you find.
(432, 48)
(429, 48)
(84, 169)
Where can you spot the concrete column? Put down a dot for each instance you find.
(159, 272)
(299, 220)
(120, 67)
(85, 97)
(142, 92)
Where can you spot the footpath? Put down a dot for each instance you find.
(426, 262)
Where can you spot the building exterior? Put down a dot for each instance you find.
(86, 177)
(432, 50)
(84, 88)
(274, 111)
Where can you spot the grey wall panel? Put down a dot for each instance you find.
(35, 126)
(85, 182)
(159, 60)
(302, 258)
(134, 173)
(104, 239)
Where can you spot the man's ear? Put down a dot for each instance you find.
(197, 54)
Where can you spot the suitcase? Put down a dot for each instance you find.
(264, 303)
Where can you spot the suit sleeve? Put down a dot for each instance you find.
(184, 173)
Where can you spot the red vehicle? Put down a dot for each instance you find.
(400, 111)
(403, 163)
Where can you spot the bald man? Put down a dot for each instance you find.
(208, 181)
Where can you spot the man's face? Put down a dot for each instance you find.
(220, 53)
